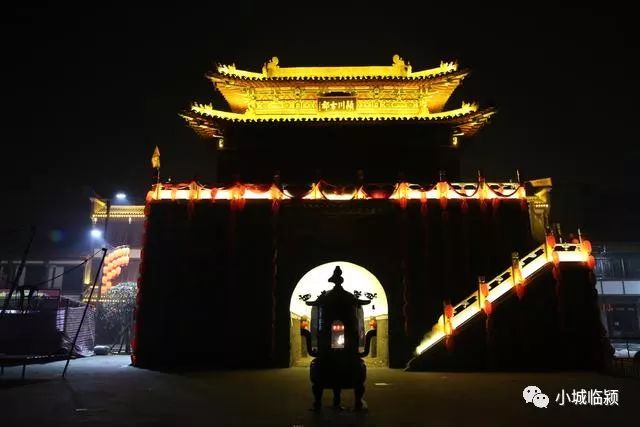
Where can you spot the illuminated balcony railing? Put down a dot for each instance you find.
(503, 283)
(322, 190)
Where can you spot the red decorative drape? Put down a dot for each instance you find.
(274, 274)
(404, 267)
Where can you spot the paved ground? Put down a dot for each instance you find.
(105, 390)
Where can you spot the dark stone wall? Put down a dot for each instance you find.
(217, 279)
(304, 152)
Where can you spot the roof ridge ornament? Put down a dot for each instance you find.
(399, 66)
(270, 68)
(337, 278)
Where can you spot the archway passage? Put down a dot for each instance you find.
(356, 279)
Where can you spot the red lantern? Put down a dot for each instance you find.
(586, 246)
(556, 258)
(591, 262)
(484, 289)
(373, 323)
(443, 192)
(443, 189)
(448, 311)
(550, 241)
(488, 308)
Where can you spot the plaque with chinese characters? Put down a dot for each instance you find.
(328, 104)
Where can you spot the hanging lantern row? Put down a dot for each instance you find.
(515, 277)
(115, 261)
(322, 190)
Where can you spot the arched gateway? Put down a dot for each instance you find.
(356, 279)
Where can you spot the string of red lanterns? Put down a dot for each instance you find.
(322, 190)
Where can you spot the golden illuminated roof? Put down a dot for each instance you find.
(250, 91)
(398, 70)
(332, 94)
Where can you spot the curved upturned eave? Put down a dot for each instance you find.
(213, 75)
(467, 123)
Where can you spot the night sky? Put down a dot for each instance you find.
(89, 93)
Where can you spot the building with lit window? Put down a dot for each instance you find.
(118, 227)
(618, 285)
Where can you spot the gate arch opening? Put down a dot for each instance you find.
(356, 278)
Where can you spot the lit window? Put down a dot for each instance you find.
(337, 334)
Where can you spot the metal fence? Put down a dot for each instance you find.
(44, 324)
(626, 358)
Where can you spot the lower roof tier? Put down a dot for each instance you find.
(465, 121)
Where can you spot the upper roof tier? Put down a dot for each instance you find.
(247, 90)
(398, 70)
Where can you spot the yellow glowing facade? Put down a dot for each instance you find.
(363, 93)
(540, 206)
(128, 212)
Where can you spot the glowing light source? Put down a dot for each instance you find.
(121, 196)
(114, 263)
(322, 190)
(355, 278)
(400, 93)
(95, 233)
(337, 334)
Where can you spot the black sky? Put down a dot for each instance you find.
(88, 93)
